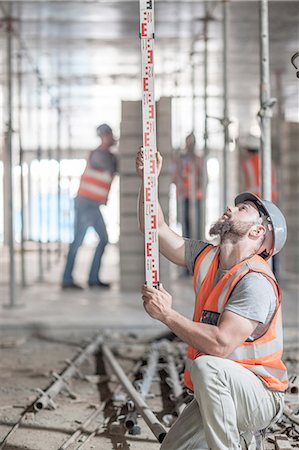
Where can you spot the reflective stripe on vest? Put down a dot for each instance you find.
(262, 356)
(95, 184)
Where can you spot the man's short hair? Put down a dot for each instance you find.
(104, 129)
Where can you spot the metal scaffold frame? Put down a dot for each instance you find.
(266, 103)
(225, 120)
(9, 163)
(26, 212)
(203, 215)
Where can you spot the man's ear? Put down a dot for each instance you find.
(258, 231)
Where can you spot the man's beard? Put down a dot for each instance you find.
(232, 230)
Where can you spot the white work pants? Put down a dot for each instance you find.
(230, 404)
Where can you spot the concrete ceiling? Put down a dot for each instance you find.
(89, 50)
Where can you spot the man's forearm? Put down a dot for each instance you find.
(204, 337)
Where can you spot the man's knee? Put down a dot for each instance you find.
(204, 368)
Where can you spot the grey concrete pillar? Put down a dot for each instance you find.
(131, 240)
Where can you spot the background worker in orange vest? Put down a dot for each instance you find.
(235, 344)
(188, 180)
(93, 192)
(251, 165)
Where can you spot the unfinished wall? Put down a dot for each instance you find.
(131, 240)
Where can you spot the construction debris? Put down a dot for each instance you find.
(129, 391)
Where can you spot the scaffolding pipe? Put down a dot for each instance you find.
(60, 383)
(21, 162)
(278, 154)
(48, 252)
(29, 229)
(193, 97)
(149, 371)
(193, 226)
(9, 200)
(40, 197)
(143, 409)
(173, 380)
(58, 180)
(203, 214)
(265, 100)
(225, 106)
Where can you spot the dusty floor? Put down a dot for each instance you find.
(39, 337)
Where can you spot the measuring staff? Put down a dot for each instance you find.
(150, 176)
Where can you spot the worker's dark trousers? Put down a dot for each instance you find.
(87, 214)
(230, 404)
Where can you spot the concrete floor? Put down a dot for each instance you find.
(46, 305)
(46, 310)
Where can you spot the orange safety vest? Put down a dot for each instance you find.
(262, 356)
(184, 177)
(251, 167)
(95, 184)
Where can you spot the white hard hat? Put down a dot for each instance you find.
(276, 238)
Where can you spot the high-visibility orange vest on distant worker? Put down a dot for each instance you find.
(262, 356)
(188, 167)
(252, 167)
(95, 183)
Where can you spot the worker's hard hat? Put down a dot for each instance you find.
(251, 143)
(277, 230)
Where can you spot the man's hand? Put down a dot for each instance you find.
(139, 162)
(156, 302)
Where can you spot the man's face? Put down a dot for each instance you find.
(108, 139)
(236, 222)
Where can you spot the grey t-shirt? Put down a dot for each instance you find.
(103, 159)
(100, 160)
(253, 297)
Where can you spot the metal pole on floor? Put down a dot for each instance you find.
(9, 150)
(266, 102)
(46, 398)
(143, 409)
(225, 106)
(21, 162)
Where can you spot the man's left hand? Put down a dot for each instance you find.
(156, 302)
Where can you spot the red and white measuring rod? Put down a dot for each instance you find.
(150, 176)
